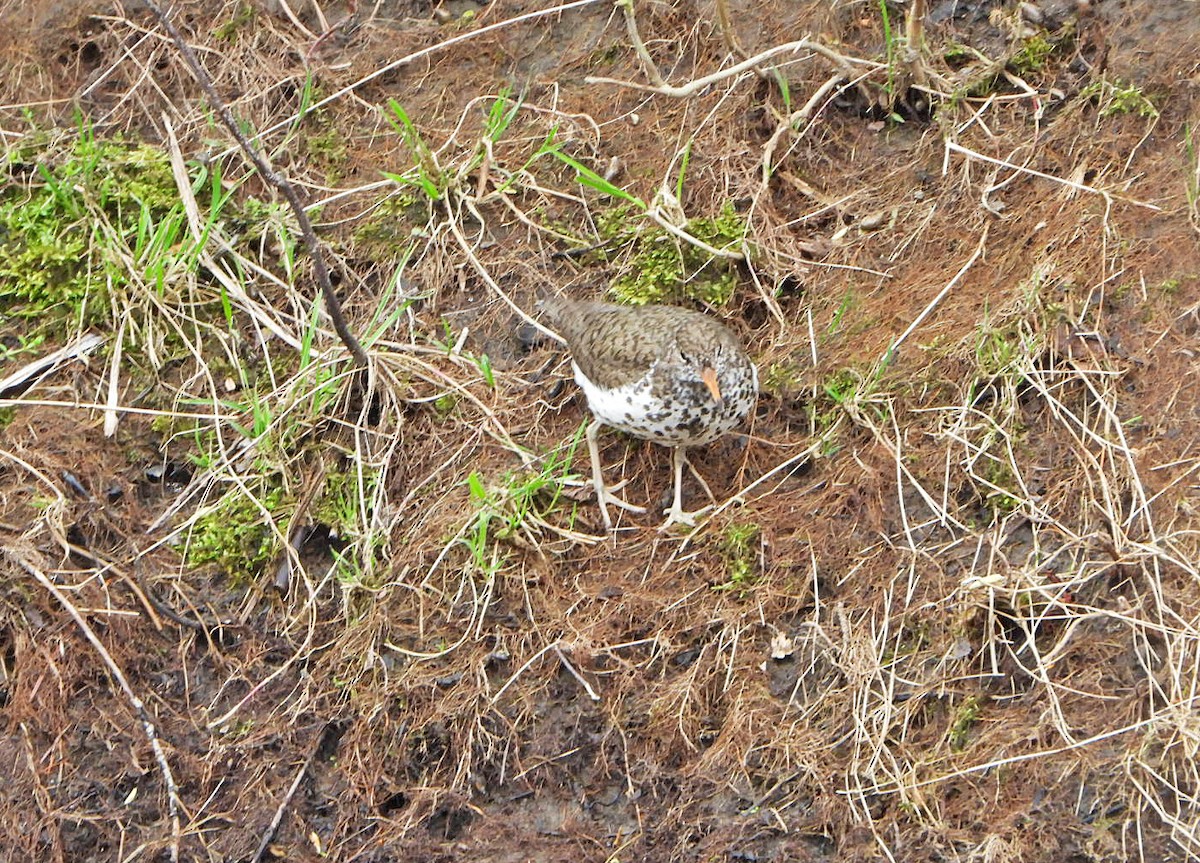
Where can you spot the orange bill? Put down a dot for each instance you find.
(709, 376)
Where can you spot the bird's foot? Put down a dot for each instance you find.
(677, 515)
(607, 494)
(620, 503)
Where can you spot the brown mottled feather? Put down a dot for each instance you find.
(616, 345)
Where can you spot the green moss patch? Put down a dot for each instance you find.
(659, 267)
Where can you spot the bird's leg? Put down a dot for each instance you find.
(676, 515)
(699, 479)
(603, 496)
(597, 471)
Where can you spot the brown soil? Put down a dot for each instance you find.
(966, 624)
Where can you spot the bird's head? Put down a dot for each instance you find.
(704, 364)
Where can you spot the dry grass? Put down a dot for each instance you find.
(946, 608)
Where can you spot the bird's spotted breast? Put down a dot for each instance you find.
(685, 415)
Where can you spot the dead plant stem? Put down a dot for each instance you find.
(952, 147)
(173, 802)
(635, 38)
(844, 62)
(725, 23)
(933, 304)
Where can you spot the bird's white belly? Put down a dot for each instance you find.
(633, 408)
(617, 407)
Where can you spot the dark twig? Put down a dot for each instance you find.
(332, 305)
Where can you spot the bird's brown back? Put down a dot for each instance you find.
(615, 345)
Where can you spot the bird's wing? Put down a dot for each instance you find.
(611, 352)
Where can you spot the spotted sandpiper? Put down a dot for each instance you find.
(665, 374)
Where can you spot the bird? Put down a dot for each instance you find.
(666, 374)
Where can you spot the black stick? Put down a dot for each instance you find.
(332, 305)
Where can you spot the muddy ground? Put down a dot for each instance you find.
(947, 607)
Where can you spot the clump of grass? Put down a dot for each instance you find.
(426, 175)
(230, 30)
(435, 181)
(957, 54)
(48, 262)
(92, 222)
(1115, 98)
(389, 228)
(339, 507)
(842, 386)
(1169, 287)
(1033, 55)
(739, 546)
(998, 348)
(782, 377)
(981, 74)
(854, 390)
(514, 511)
(996, 472)
(965, 717)
(326, 147)
(893, 44)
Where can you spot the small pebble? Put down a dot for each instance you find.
(873, 222)
(1031, 13)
